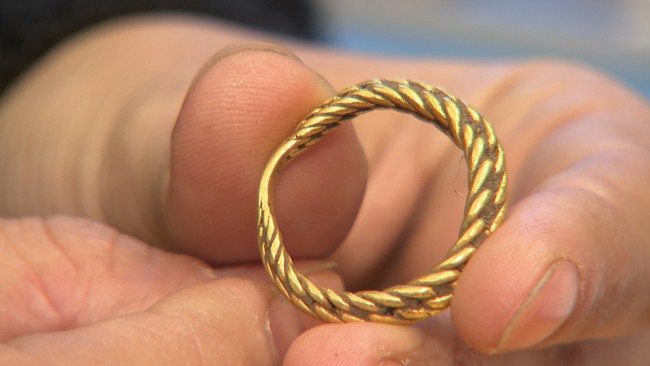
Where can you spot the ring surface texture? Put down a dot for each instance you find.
(483, 213)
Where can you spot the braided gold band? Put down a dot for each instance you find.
(484, 207)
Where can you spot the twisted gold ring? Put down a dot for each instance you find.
(484, 208)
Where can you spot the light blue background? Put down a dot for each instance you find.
(612, 35)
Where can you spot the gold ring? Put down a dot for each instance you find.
(484, 207)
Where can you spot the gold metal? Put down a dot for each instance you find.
(484, 208)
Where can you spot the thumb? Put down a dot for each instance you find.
(555, 273)
(243, 103)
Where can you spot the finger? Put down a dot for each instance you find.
(61, 272)
(97, 145)
(571, 261)
(240, 107)
(113, 141)
(354, 344)
(434, 342)
(564, 267)
(222, 322)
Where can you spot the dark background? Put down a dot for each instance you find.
(29, 28)
(613, 36)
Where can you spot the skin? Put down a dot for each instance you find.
(139, 138)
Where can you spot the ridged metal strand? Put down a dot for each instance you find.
(484, 208)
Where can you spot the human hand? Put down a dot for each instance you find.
(76, 292)
(565, 279)
(532, 114)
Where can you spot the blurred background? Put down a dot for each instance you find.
(613, 35)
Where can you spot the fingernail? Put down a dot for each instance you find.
(401, 346)
(545, 310)
(263, 47)
(247, 47)
(254, 46)
(239, 48)
(283, 324)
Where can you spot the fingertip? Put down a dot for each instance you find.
(498, 280)
(236, 48)
(549, 275)
(548, 306)
(354, 344)
(241, 106)
(286, 321)
(482, 305)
